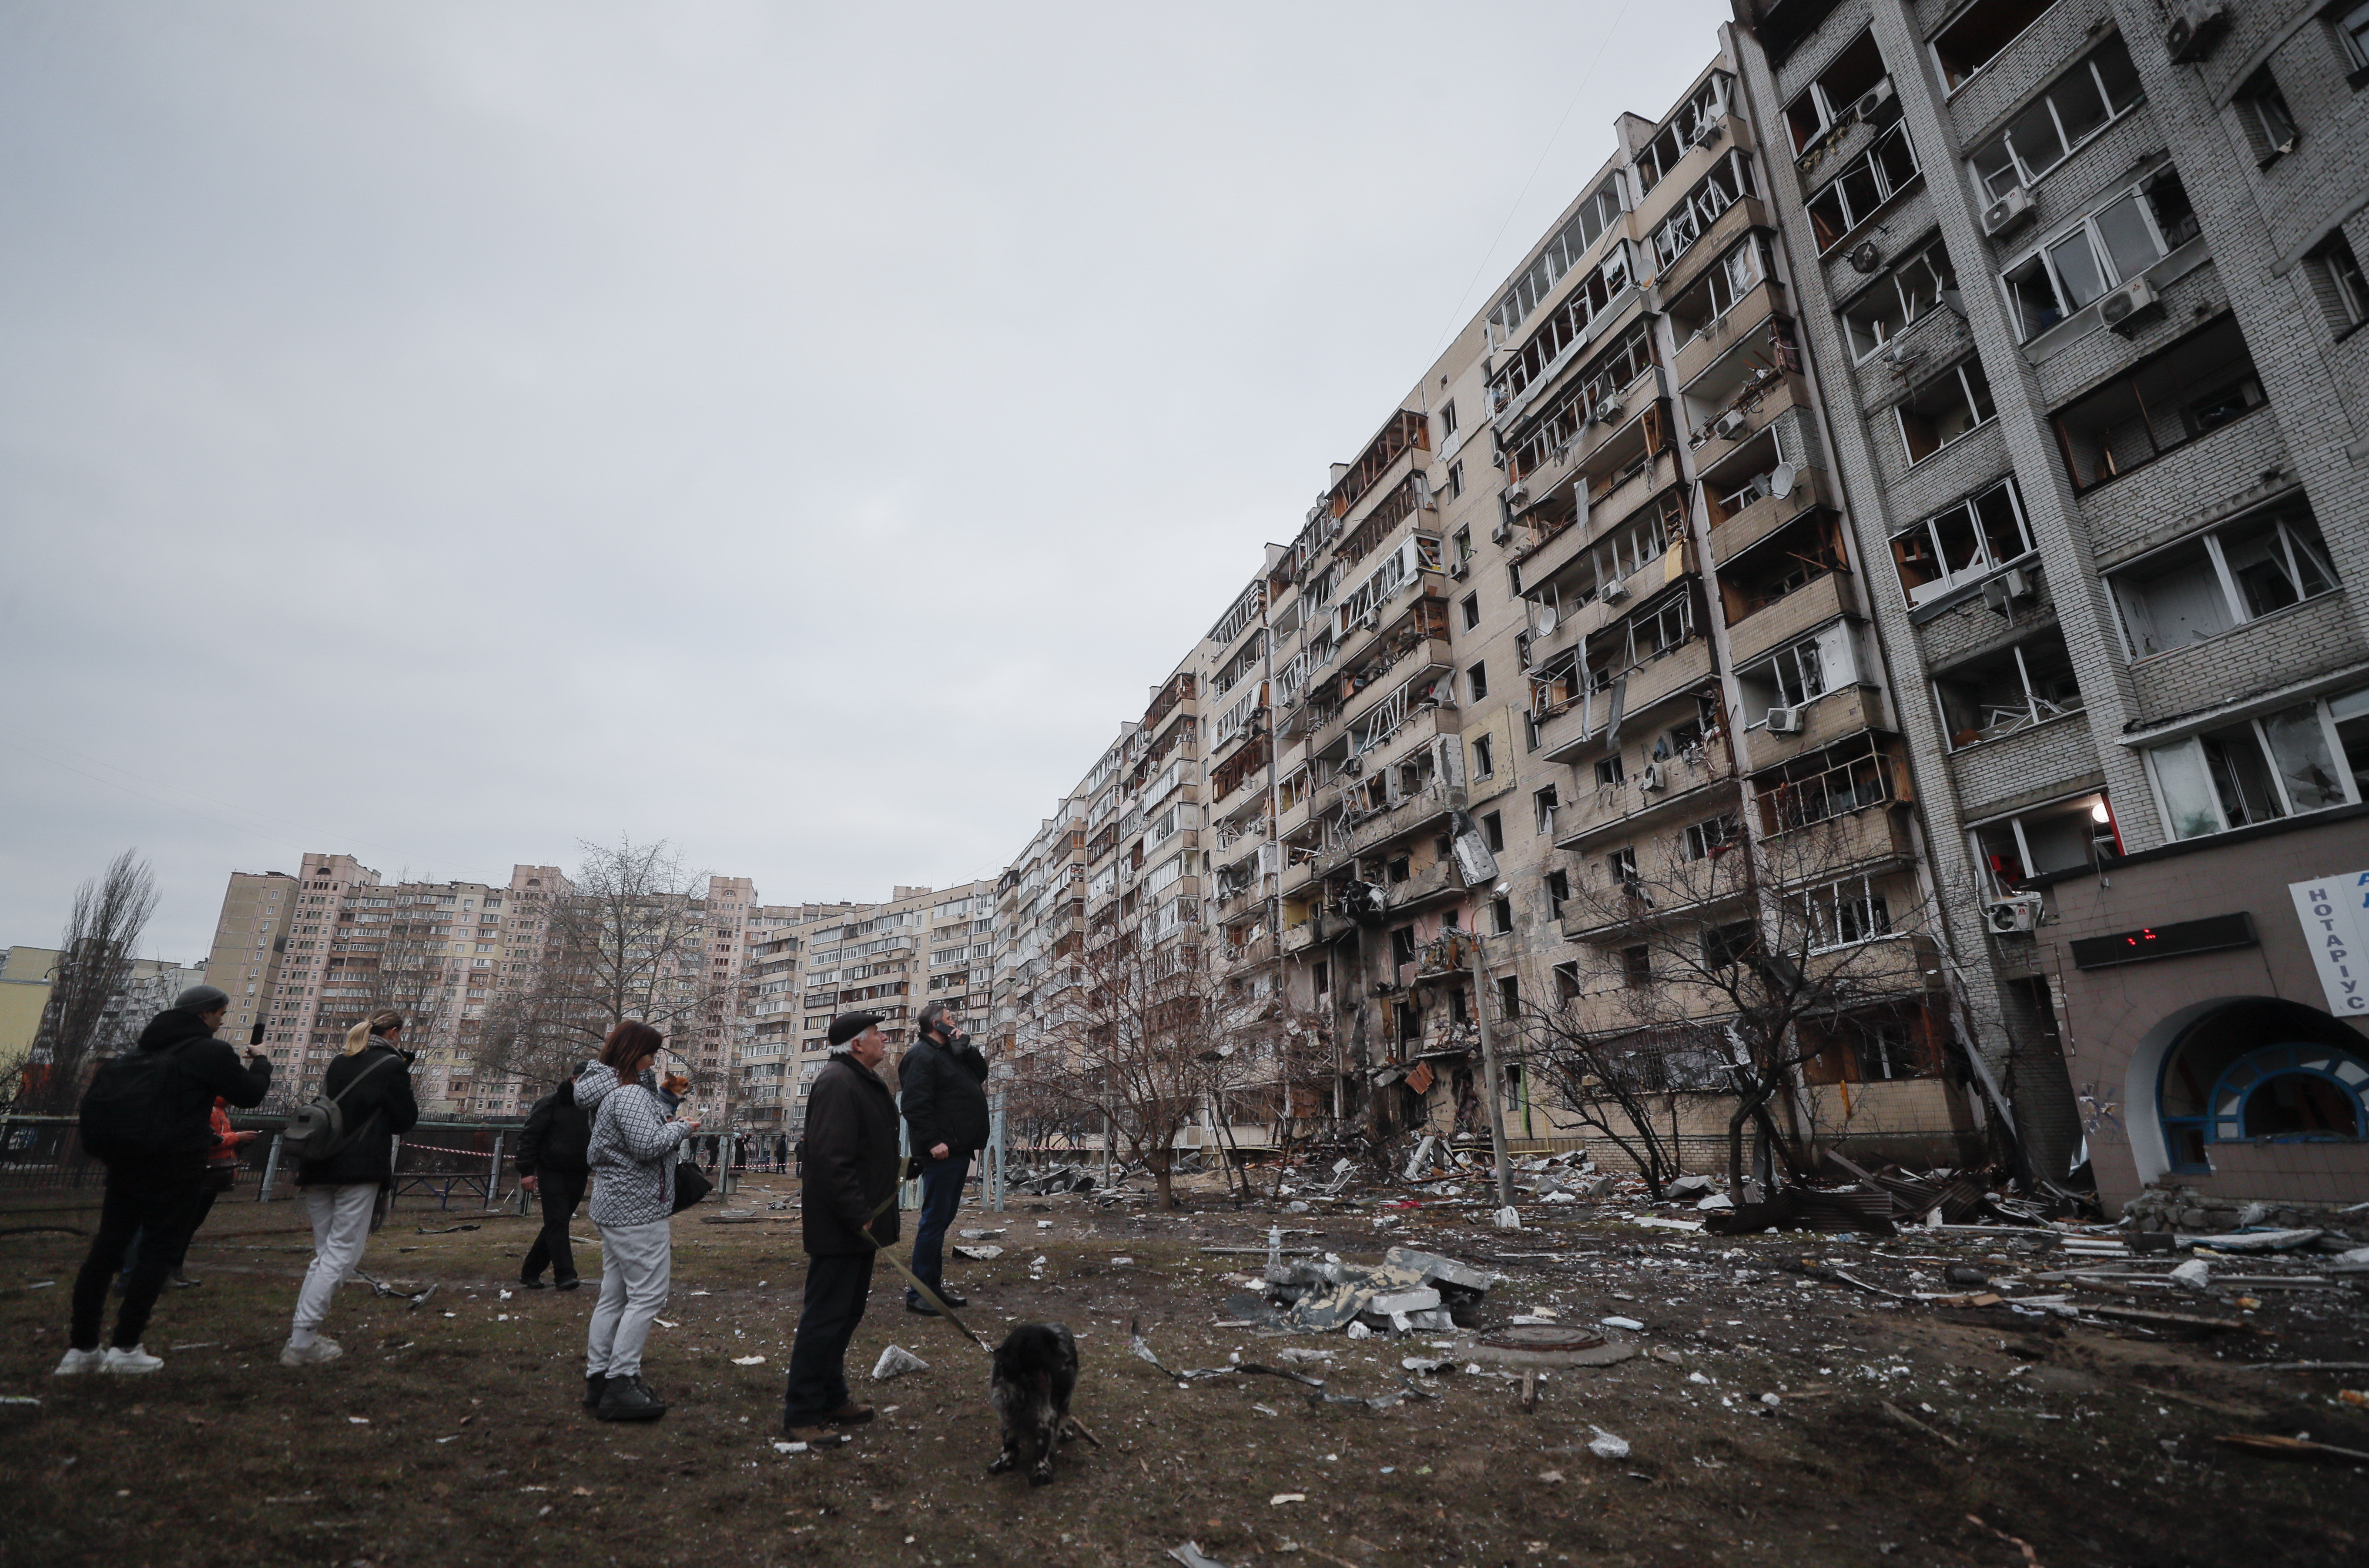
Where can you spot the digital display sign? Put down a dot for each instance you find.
(2176, 940)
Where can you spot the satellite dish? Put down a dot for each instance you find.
(1781, 479)
(1867, 257)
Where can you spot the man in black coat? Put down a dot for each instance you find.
(157, 1192)
(941, 1090)
(849, 1202)
(554, 1163)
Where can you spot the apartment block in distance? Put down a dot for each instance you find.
(2084, 279)
(814, 962)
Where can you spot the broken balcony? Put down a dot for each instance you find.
(1680, 787)
(1405, 431)
(1745, 388)
(1742, 492)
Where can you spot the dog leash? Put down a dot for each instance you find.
(936, 1302)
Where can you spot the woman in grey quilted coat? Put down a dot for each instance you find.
(633, 1200)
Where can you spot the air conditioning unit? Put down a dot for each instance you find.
(1502, 532)
(2006, 589)
(2194, 31)
(1872, 99)
(1614, 593)
(1604, 412)
(1784, 720)
(1518, 496)
(1651, 777)
(2022, 912)
(2007, 212)
(2131, 306)
(1729, 424)
(1461, 570)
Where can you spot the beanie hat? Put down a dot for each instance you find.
(202, 999)
(847, 1025)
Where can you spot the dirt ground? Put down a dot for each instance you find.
(449, 1434)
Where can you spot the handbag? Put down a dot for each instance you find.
(690, 1185)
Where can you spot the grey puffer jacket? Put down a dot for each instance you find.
(632, 1149)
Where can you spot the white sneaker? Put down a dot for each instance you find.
(78, 1362)
(135, 1359)
(311, 1355)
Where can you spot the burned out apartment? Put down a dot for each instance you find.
(1925, 458)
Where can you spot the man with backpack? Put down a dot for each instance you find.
(148, 1116)
(555, 1162)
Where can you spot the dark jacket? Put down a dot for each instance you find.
(209, 1067)
(381, 1105)
(944, 1095)
(559, 1135)
(850, 1159)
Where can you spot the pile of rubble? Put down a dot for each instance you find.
(1407, 1291)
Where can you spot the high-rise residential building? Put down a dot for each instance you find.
(250, 944)
(920, 945)
(315, 951)
(1994, 533)
(2084, 279)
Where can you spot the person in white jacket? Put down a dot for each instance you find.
(632, 1200)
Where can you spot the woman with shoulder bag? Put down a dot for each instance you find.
(632, 1163)
(372, 1083)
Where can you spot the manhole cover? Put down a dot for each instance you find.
(1540, 1337)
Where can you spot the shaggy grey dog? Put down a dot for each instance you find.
(1036, 1370)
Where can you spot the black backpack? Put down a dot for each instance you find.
(319, 1131)
(136, 1107)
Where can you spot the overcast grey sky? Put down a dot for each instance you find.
(440, 432)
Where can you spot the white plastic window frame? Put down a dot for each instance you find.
(1935, 259)
(1931, 525)
(2026, 175)
(2102, 256)
(1825, 904)
(1752, 252)
(2233, 601)
(2193, 747)
(1966, 390)
(1837, 656)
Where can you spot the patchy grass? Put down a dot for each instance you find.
(450, 1434)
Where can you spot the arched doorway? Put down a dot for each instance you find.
(2244, 1070)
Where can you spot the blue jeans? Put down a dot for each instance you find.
(942, 1184)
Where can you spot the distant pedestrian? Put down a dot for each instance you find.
(156, 1165)
(941, 1089)
(849, 1184)
(222, 1175)
(346, 1190)
(554, 1163)
(632, 1152)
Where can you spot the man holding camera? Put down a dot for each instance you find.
(942, 1094)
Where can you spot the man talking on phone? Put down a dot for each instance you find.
(943, 1097)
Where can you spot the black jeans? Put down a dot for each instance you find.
(560, 1191)
(162, 1202)
(837, 1288)
(942, 1184)
(198, 1212)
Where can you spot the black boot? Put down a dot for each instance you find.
(594, 1382)
(629, 1399)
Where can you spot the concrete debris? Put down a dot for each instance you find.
(1192, 1556)
(978, 1254)
(894, 1361)
(1630, 1324)
(2255, 1241)
(1686, 1187)
(1408, 1290)
(2195, 1274)
(1604, 1446)
(1508, 1218)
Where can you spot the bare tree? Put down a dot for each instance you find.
(626, 938)
(1134, 1043)
(1740, 965)
(95, 963)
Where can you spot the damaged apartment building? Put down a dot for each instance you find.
(1935, 439)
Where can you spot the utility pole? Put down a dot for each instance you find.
(1494, 1096)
